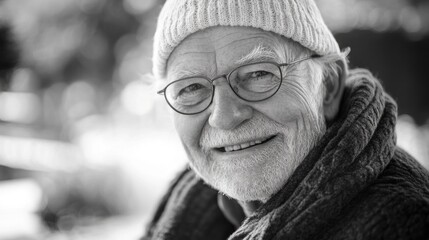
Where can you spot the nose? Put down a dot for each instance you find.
(227, 110)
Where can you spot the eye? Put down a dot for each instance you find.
(255, 72)
(191, 89)
(259, 74)
(186, 93)
(258, 78)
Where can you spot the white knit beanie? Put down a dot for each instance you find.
(299, 20)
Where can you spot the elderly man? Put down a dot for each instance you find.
(283, 141)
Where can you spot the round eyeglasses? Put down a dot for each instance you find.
(251, 82)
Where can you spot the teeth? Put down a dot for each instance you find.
(243, 145)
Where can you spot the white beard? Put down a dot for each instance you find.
(263, 174)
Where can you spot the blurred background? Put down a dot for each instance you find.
(87, 147)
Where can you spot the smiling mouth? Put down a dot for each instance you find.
(246, 145)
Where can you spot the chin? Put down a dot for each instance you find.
(242, 187)
(247, 181)
(257, 190)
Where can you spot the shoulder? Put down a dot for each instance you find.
(184, 178)
(402, 190)
(189, 208)
(395, 206)
(403, 182)
(404, 175)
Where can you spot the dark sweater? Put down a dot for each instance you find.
(355, 184)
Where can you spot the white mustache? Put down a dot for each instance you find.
(257, 127)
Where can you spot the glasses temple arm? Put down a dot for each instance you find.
(299, 60)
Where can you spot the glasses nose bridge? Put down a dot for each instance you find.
(219, 77)
(226, 77)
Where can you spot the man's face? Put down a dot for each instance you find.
(247, 150)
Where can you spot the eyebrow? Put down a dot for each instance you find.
(259, 53)
(184, 73)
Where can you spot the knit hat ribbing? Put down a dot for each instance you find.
(299, 20)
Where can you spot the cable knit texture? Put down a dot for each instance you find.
(355, 184)
(299, 20)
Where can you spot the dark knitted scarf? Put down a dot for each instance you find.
(350, 156)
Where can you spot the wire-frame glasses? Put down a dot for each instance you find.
(251, 82)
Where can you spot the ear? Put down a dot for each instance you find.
(334, 88)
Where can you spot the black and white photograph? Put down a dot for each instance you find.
(214, 119)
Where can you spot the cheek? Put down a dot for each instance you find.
(303, 96)
(189, 128)
(282, 108)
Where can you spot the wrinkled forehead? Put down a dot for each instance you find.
(219, 49)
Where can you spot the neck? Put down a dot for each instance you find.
(236, 211)
(250, 207)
